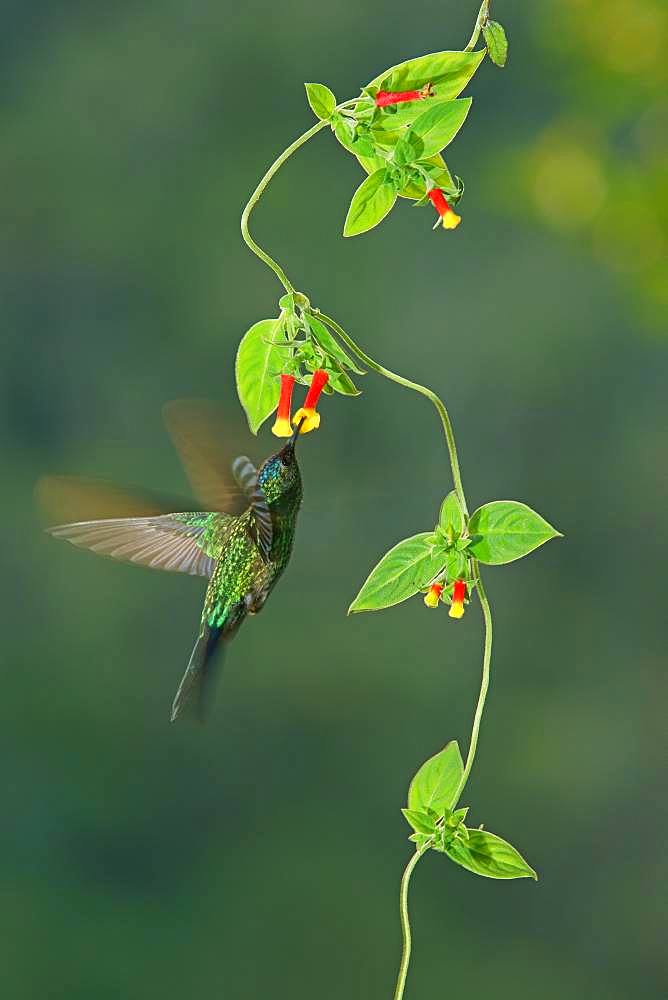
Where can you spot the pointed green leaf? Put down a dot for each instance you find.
(504, 530)
(419, 820)
(257, 364)
(341, 382)
(451, 517)
(401, 573)
(486, 854)
(439, 125)
(457, 817)
(420, 839)
(435, 784)
(321, 99)
(496, 42)
(456, 565)
(344, 131)
(331, 346)
(371, 202)
(355, 144)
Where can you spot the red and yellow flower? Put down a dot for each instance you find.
(308, 411)
(433, 595)
(384, 98)
(458, 598)
(282, 426)
(449, 218)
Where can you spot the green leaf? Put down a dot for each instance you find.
(321, 99)
(435, 784)
(342, 383)
(486, 854)
(448, 73)
(371, 202)
(496, 42)
(257, 363)
(457, 817)
(344, 131)
(356, 144)
(401, 573)
(504, 530)
(439, 125)
(420, 839)
(331, 346)
(451, 517)
(420, 821)
(456, 565)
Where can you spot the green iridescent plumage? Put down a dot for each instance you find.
(242, 555)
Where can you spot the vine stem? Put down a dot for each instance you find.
(405, 922)
(483, 16)
(416, 387)
(484, 683)
(260, 189)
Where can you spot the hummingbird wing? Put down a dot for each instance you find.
(245, 474)
(196, 427)
(171, 542)
(97, 516)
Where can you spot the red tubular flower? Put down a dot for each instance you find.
(433, 595)
(449, 219)
(282, 428)
(458, 596)
(386, 97)
(308, 410)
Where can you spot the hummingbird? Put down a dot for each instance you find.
(241, 555)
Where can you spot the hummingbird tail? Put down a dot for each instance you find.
(196, 687)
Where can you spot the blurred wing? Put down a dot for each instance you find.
(67, 498)
(196, 428)
(245, 474)
(169, 542)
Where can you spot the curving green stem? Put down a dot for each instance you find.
(416, 387)
(481, 20)
(405, 922)
(484, 683)
(260, 189)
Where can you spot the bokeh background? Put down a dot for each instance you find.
(260, 856)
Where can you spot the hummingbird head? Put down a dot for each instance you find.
(279, 475)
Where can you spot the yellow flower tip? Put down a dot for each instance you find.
(451, 220)
(311, 421)
(282, 428)
(433, 595)
(456, 609)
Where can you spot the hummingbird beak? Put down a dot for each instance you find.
(289, 447)
(295, 434)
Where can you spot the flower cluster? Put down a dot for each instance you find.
(306, 413)
(434, 594)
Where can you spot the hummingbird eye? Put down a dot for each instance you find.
(286, 457)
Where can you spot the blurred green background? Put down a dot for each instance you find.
(261, 856)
